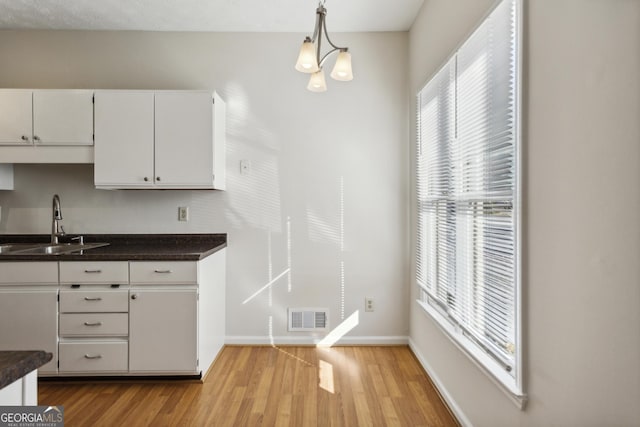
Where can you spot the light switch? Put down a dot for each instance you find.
(245, 167)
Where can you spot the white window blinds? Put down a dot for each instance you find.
(467, 194)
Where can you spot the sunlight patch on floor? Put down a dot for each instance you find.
(325, 374)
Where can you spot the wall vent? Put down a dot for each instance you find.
(307, 319)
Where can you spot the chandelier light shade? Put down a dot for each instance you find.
(342, 69)
(307, 61)
(310, 59)
(317, 82)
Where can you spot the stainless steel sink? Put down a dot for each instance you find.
(47, 248)
(6, 248)
(9, 247)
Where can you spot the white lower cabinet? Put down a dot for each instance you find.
(29, 309)
(116, 318)
(29, 321)
(176, 315)
(93, 357)
(94, 318)
(92, 299)
(163, 331)
(94, 324)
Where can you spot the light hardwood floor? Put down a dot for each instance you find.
(269, 386)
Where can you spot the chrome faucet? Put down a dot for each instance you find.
(56, 229)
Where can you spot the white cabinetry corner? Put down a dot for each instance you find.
(176, 315)
(211, 309)
(159, 140)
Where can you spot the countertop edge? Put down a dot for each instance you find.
(16, 364)
(190, 247)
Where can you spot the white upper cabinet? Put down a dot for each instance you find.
(63, 117)
(124, 139)
(46, 117)
(184, 138)
(159, 139)
(16, 119)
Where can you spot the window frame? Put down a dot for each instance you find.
(513, 386)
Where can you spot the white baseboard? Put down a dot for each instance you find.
(457, 411)
(307, 340)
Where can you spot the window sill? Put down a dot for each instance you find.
(493, 370)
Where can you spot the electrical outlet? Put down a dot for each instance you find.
(368, 304)
(183, 213)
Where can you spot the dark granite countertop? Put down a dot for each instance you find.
(16, 364)
(125, 247)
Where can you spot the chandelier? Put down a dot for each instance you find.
(311, 62)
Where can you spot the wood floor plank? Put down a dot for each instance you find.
(391, 417)
(283, 415)
(268, 386)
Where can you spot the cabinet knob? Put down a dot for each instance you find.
(146, 179)
(134, 296)
(157, 178)
(36, 138)
(25, 138)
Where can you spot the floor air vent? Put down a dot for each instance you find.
(307, 319)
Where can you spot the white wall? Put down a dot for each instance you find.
(581, 224)
(329, 172)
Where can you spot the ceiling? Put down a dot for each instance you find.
(207, 15)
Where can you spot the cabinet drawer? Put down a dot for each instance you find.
(15, 273)
(94, 301)
(94, 324)
(110, 272)
(164, 272)
(93, 356)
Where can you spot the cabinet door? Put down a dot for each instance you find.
(163, 331)
(29, 321)
(63, 117)
(124, 139)
(15, 117)
(184, 139)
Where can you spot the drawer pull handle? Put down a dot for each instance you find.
(97, 356)
(163, 271)
(92, 299)
(92, 323)
(93, 271)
